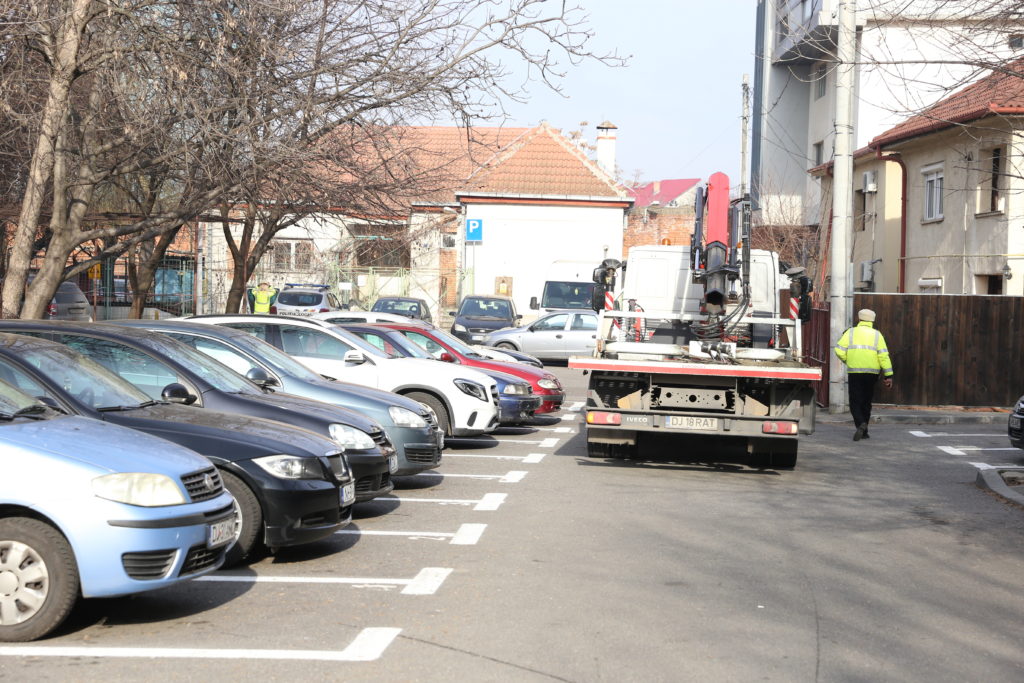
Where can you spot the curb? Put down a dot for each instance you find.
(918, 418)
(992, 479)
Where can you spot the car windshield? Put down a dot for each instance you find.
(220, 376)
(455, 343)
(567, 294)
(395, 344)
(12, 400)
(360, 343)
(299, 298)
(82, 377)
(486, 308)
(270, 354)
(397, 306)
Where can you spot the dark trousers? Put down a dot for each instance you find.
(862, 391)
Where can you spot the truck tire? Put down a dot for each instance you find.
(249, 522)
(598, 450)
(784, 458)
(775, 454)
(38, 579)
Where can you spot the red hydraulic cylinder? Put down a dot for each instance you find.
(716, 222)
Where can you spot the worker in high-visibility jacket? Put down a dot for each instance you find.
(863, 350)
(262, 298)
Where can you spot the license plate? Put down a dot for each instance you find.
(348, 494)
(690, 422)
(1014, 421)
(221, 532)
(477, 337)
(393, 463)
(440, 439)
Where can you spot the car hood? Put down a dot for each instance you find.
(229, 436)
(102, 445)
(447, 370)
(487, 323)
(354, 396)
(306, 408)
(527, 372)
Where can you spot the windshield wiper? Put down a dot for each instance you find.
(112, 409)
(35, 412)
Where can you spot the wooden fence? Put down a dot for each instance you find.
(945, 349)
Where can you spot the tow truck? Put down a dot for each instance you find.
(695, 342)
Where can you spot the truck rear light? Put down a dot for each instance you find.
(601, 418)
(779, 427)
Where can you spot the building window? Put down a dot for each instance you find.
(818, 153)
(289, 255)
(933, 194)
(1016, 41)
(820, 82)
(990, 180)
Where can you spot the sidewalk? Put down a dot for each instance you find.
(934, 415)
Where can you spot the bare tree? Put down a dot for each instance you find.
(219, 94)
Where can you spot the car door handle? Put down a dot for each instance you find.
(558, 336)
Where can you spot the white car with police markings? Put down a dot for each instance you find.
(465, 400)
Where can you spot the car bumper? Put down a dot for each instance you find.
(1015, 430)
(551, 403)
(417, 448)
(140, 549)
(372, 474)
(297, 511)
(517, 409)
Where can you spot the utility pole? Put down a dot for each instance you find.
(744, 135)
(841, 292)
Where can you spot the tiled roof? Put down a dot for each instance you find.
(661, 191)
(1000, 92)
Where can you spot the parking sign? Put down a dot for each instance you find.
(474, 230)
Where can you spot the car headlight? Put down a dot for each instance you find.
(473, 389)
(547, 383)
(291, 466)
(458, 328)
(403, 417)
(1019, 408)
(517, 389)
(350, 437)
(139, 488)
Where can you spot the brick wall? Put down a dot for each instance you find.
(652, 225)
(448, 293)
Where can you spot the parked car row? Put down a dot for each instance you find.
(175, 447)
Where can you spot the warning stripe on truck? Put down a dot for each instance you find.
(654, 368)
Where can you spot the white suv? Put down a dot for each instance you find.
(465, 400)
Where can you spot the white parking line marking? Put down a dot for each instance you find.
(557, 430)
(549, 443)
(368, 646)
(510, 478)
(414, 586)
(533, 458)
(468, 534)
(539, 444)
(951, 450)
(490, 501)
(569, 417)
(982, 448)
(928, 435)
(923, 435)
(481, 455)
(574, 407)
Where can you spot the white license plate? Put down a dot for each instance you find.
(348, 494)
(440, 439)
(1014, 421)
(690, 422)
(219, 533)
(477, 337)
(393, 463)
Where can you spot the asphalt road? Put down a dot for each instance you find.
(522, 559)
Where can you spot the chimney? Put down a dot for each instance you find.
(606, 146)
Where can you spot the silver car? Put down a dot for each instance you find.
(557, 335)
(305, 300)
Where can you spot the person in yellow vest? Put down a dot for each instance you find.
(262, 298)
(863, 350)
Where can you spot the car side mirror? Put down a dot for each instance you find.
(354, 357)
(534, 304)
(598, 297)
(519, 316)
(452, 313)
(447, 357)
(261, 377)
(175, 392)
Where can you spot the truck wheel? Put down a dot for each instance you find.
(38, 579)
(598, 450)
(783, 458)
(437, 406)
(623, 451)
(248, 522)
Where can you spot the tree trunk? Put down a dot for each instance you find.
(145, 271)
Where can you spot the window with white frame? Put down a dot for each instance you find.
(933, 182)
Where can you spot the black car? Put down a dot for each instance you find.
(152, 361)
(291, 486)
(1015, 425)
(478, 316)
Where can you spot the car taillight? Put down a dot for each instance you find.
(597, 417)
(325, 310)
(273, 309)
(51, 311)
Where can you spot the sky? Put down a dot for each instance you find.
(678, 102)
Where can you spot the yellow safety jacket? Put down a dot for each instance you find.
(863, 349)
(262, 300)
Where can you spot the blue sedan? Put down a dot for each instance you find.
(92, 509)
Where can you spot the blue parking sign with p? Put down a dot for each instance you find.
(474, 229)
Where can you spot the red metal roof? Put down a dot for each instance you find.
(999, 93)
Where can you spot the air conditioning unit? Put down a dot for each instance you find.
(930, 283)
(867, 271)
(869, 181)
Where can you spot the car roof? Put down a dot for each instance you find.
(184, 325)
(268, 318)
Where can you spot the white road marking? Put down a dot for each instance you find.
(982, 448)
(923, 435)
(557, 430)
(512, 477)
(493, 457)
(468, 534)
(549, 443)
(951, 450)
(573, 407)
(982, 465)
(928, 435)
(368, 646)
(490, 501)
(415, 586)
(569, 417)
(539, 444)
(533, 458)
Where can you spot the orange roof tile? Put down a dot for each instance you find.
(1001, 92)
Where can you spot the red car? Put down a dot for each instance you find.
(448, 348)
